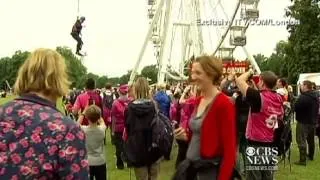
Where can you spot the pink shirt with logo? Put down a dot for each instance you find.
(83, 101)
(261, 125)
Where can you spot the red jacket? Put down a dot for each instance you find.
(218, 134)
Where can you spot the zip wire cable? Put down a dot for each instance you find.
(78, 11)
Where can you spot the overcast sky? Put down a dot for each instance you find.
(115, 29)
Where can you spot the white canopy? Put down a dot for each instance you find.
(314, 77)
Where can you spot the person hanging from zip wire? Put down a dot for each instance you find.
(76, 34)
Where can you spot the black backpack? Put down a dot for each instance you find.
(138, 150)
(108, 100)
(157, 135)
(162, 134)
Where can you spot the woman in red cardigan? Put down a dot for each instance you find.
(212, 131)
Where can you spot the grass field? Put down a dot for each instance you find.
(310, 172)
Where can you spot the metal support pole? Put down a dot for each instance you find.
(198, 28)
(249, 56)
(226, 32)
(161, 75)
(184, 50)
(193, 27)
(252, 60)
(146, 40)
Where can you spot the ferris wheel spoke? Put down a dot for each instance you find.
(218, 29)
(208, 27)
(214, 6)
(228, 28)
(224, 12)
(183, 37)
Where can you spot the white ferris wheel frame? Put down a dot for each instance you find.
(192, 41)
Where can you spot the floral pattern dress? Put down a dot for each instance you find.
(38, 142)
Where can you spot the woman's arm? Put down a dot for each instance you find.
(80, 118)
(183, 96)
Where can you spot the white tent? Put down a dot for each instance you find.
(314, 77)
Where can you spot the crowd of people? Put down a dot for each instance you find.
(213, 118)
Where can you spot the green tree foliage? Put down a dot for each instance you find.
(9, 67)
(276, 61)
(124, 79)
(114, 80)
(150, 72)
(102, 81)
(92, 76)
(261, 61)
(303, 52)
(76, 70)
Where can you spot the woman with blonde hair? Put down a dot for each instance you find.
(211, 132)
(137, 147)
(36, 140)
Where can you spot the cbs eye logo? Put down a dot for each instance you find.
(250, 151)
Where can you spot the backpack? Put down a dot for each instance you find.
(108, 100)
(162, 134)
(157, 135)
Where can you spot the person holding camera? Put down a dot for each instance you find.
(266, 110)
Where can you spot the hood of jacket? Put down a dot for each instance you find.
(142, 107)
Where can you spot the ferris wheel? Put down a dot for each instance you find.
(181, 29)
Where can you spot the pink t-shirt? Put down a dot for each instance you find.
(187, 110)
(261, 125)
(83, 101)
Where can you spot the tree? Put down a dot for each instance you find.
(93, 76)
(276, 61)
(302, 51)
(114, 81)
(10, 66)
(150, 72)
(124, 79)
(76, 70)
(102, 81)
(261, 61)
